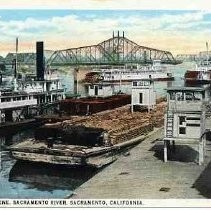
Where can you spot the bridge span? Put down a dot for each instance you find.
(118, 50)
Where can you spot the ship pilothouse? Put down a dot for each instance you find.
(30, 93)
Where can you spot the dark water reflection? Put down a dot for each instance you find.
(21, 179)
(46, 177)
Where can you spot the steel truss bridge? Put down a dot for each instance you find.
(117, 50)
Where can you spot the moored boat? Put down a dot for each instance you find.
(202, 72)
(200, 75)
(94, 140)
(61, 153)
(30, 95)
(129, 73)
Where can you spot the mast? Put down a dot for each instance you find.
(16, 57)
(16, 65)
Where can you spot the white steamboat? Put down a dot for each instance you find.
(156, 71)
(30, 94)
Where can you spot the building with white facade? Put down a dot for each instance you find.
(143, 94)
(100, 90)
(185, 117)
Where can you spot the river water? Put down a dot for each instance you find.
(21, 180)
(178, 71)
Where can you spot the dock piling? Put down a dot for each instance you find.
(165, 151)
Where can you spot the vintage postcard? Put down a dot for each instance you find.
(105, 103)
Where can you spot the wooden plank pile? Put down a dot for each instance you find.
(119, 123)
(85, 106)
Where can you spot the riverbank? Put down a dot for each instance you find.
(141, 173)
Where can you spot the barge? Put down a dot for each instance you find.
(87, 106)
(71, 155)
(94, 140)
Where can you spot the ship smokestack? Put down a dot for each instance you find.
(40, 61)
(14, 66)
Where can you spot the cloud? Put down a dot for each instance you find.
(165, 31)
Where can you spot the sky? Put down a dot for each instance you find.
(107, 4)
(175, 29)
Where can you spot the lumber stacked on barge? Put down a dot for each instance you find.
(92, 105)
(89, 140)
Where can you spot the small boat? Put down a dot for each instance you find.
(156, 71)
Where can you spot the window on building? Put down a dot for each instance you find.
(193, 124)
(180, 96)
(182, 130)
(193, 118)
(91, 86)
(182, 119)
(189, 96)
(100, 87)
(197, 96)
(172, 96)
(134, 83)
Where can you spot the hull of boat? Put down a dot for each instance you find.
(191, 81)
(93, 161)
(72, 155)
